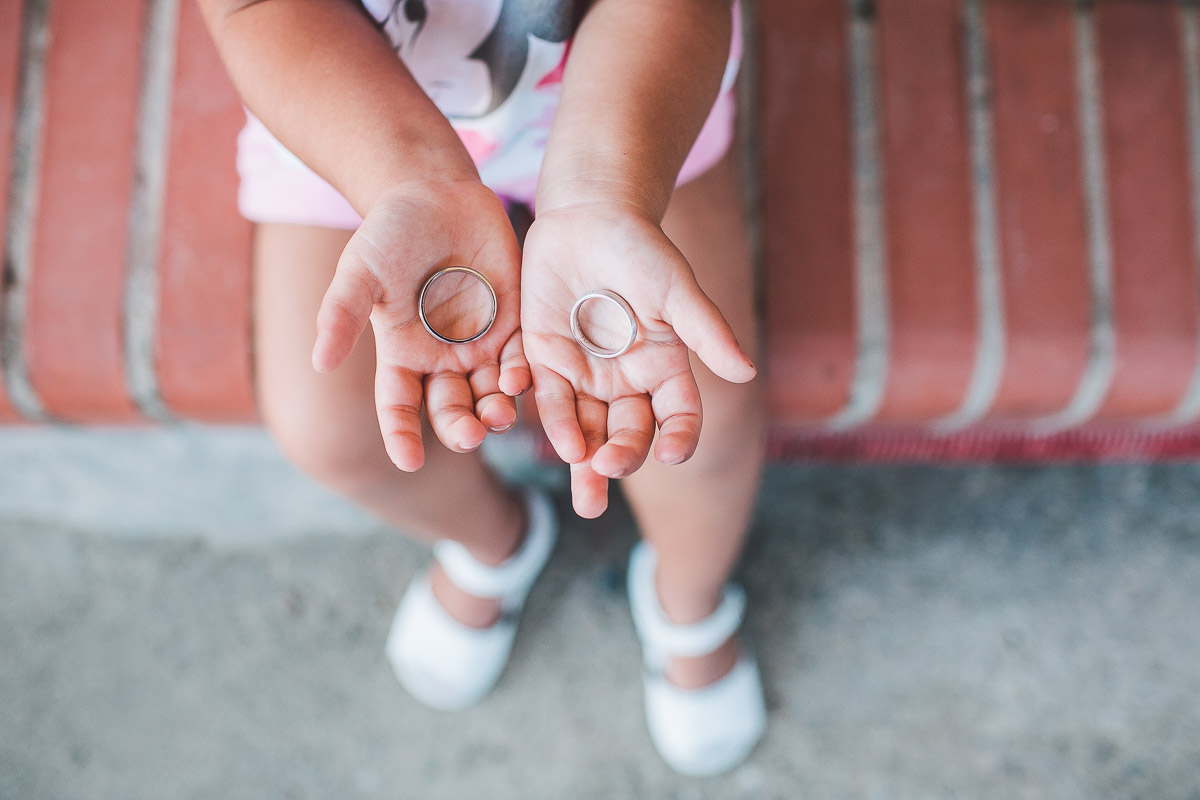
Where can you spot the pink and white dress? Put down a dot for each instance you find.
(494, 68)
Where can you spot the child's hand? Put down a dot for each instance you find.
(410, 233)
(600, 414)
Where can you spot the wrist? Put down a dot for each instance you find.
(626, 137)
(412, 171)
(584, 189)
(424, 189)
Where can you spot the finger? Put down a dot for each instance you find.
(344, 312)
(451, 409)
(398, 404)
(515, 377)
(555, 398)
(700, 324)
(496, 410)
(677, 409)
(630, 432)
(589, 489)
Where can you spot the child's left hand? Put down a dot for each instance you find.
(600, 414)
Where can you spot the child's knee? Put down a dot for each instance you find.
(336, 448)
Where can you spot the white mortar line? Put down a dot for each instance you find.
(1097, 377)
(22, 207)
(989, 363)
(146, 207)
(871, 309)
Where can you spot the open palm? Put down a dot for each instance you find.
(408, 235)
(601, 414)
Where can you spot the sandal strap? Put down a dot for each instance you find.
(516, 575)
(669, 639)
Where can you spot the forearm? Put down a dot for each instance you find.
(328, 85)
(639, 84)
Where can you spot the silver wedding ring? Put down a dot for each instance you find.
(434, 278)
(586, 343)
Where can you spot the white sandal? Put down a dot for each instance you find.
(448, 665)
(705, 731)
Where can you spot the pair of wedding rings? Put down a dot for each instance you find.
(602, 295)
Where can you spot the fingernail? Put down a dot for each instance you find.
(503, 428)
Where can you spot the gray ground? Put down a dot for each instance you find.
(182, 616)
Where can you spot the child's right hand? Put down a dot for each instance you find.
(411, 232)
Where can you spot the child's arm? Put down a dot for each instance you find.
(639, 84)
(330, 87)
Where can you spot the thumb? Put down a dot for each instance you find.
(344, 313)
(700, 324)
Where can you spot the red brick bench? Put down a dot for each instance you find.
(979, 224)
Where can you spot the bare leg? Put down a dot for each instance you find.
(696, 515)
(326, 423)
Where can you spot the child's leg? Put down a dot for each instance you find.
(696, 515)
(326, 423)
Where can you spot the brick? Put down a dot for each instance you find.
(1040, 206)
(1150, 215)
(73, 337)
(804, 121)
(203, 356)
(927, 209)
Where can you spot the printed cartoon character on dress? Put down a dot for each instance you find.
(494, 68)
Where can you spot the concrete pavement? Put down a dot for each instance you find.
(183, 616)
